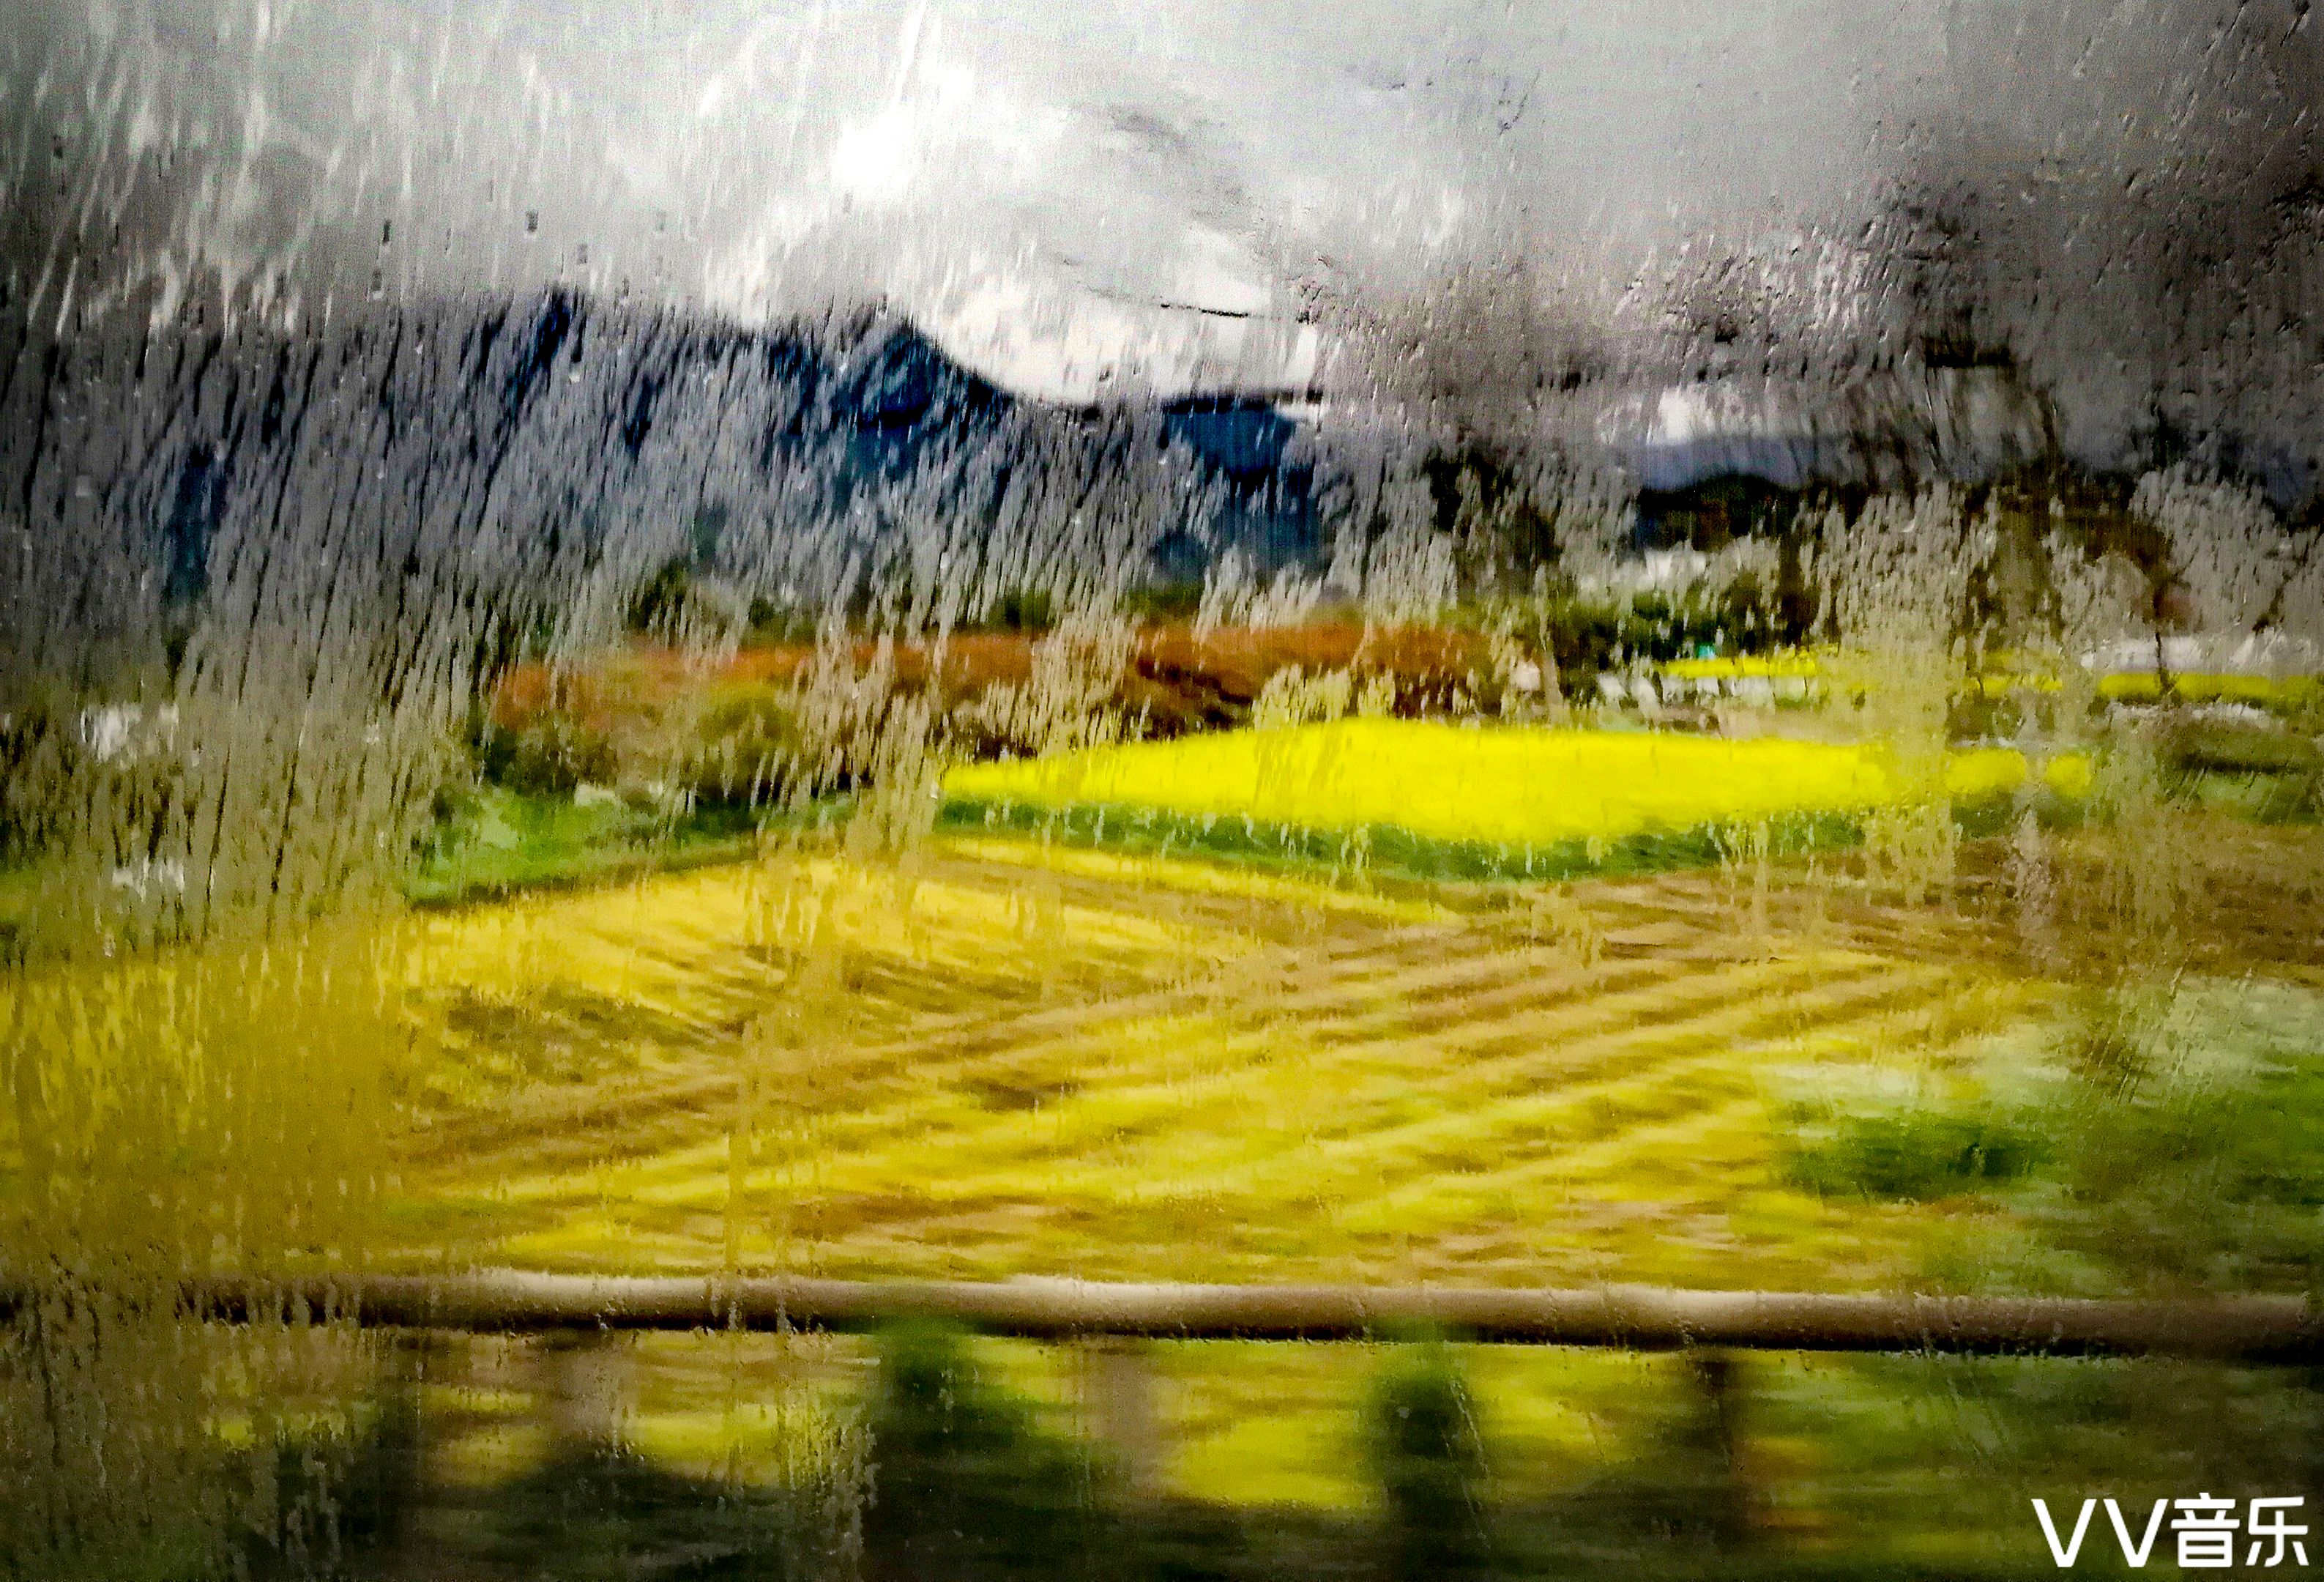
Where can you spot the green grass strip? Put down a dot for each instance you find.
(547, 844)
(1385, 848)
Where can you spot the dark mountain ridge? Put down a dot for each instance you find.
(545, 455)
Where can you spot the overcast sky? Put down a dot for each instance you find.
(1071, 195)
(1077, 198)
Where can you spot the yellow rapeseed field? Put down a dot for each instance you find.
(2117, 686)
(1503, 785)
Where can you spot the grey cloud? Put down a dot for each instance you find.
(762, 159)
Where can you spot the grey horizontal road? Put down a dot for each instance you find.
(2254, 1328)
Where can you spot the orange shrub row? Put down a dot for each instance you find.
(1179, 680)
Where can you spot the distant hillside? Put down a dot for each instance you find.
(552, 453)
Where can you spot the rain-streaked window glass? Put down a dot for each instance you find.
(827, 790)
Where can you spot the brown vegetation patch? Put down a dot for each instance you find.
(1177, 678)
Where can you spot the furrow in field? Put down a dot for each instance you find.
(1449, 960)
(1360, 1109)
(1118, 1224)
(1700, 1148)
(1364, 1116)
(1260, 918)
(561, 1116)
(1658, 1157)
(1796, 907)
(1557, 983)
(1177, 1045)
(1535, 1014)
(1369, 1126)
(1197, 886)
(1600, 1133)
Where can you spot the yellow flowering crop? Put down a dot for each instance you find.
(2145, 686)
(1452, 782)
(1790, 662)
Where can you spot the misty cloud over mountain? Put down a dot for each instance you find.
(1789, 240)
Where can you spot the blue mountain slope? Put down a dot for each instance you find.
(530, 452)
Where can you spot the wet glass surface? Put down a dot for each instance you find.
(1420, 649)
